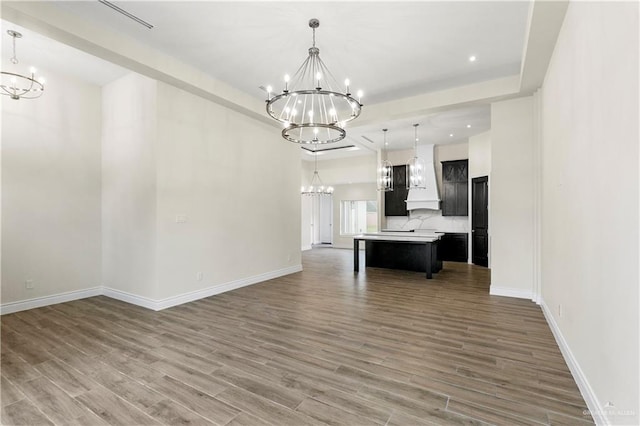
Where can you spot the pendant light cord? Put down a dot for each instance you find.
(14, 59)
(415, 140)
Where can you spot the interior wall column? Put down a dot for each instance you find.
(537, 195)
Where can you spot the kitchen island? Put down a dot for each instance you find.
(399, 250)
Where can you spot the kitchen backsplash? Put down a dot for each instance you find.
(428, 219)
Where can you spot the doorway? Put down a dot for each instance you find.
(325, 219)
(321, 219)
(480, 221)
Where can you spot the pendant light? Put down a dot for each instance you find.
(385, 169)
(19, 85)
(415, 166)
(316, 187)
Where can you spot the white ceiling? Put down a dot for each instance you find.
(49, 56)
(452, 126)
(391, 50)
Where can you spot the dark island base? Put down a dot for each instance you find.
(409, 256)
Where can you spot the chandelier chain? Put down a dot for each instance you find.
(14, 58)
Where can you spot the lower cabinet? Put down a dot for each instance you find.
(453, 247)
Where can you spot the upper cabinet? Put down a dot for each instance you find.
(395, 203)
(455, 186)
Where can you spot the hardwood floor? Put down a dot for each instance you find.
(323, 346)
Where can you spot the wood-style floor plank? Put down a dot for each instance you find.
(323, 346)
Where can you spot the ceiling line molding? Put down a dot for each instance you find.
(486, 91)
(545, 20)
(543, 26)
(128, 53)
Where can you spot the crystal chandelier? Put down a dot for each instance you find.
(316, 187)
(385, 170)
(310, 107)
(415, 166)
(18, 86)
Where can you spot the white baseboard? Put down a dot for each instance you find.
(145, 302)
(511, 292)
(305, 248)
(38, 302)
(599, 416)
(224, 287)
(134, 299)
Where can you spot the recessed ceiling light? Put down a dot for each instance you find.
(450, 135)
(472, 58)
(468, 126)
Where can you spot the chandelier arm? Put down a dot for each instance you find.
(304, 111)
(329, 77)
(314, 70)
(334, 119)
(326, 116)
(299, 75)
(31, 80)
(6, 90)
(284, 110)
(323, 109)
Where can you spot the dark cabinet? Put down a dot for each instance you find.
(455, 188)
(395, 201)
(453, 247)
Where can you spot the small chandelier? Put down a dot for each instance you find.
(385, 170)
(18, 86)
(310, 107)
(415, 166)
(316, 187)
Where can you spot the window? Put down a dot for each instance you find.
(357, 217)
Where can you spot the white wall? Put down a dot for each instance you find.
(196, 197)
(511, 198)
(480, 165)
(129, 185)
(590, 201)
(338, 171)
(480, 155)
(51, 191)
(399, 157)
(306, 212)
(237, 182)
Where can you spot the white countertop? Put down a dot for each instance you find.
(399, 236)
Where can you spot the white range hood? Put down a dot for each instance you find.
(428, 198)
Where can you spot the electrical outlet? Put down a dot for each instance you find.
(560, 310)
(199, 276)
(181, 218)
(28, 284)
